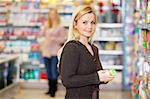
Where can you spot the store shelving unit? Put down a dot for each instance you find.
(110, 25)
(110, 38)
(141, 71)
(18, 30)
(8, 71)
(20, 23)
(109, 35)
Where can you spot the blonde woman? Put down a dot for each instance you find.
(80, 67)
(54, 36)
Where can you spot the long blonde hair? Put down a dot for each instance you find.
(77, 14)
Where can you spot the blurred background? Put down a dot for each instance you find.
(122, 36)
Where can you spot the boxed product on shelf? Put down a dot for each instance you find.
(3, 18)
(2, 46)
(26, 4)
(42, 74)
(35, 47)
(23, 57)
(109, 45)
(115, 32)
(2, 31)
(65, 13)
(142, 67)
(65, 18)
(109, 11)
(17, 46)
(27, 74)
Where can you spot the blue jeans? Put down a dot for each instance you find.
(51, 67)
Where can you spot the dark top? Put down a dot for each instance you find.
(78, 66)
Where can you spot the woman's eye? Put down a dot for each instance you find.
(93, 22)
(84, 22)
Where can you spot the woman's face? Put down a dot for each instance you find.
(52, 15)
(86, 25)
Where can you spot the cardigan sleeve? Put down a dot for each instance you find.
(69, 65)
(99, 64)
(100, 67)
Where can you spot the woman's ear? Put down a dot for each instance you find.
(75, 24)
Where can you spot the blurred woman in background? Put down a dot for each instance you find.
(54, 36)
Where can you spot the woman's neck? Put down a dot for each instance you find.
(84, 41)
(54, 24)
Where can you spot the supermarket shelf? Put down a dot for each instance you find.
(3, 9)
(30, 11)
(27, 25)
(7, 58)
(13, 37)
(144, 26)
(67, 11)
(117, 67)
(110, 25)
(111, 52)
(37, 81)
(65, 25)
(108, 39)
(105, 7)
(4, 90)
(3, 24)
(29, 37)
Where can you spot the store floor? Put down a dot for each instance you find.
(28, 93)
(39, 94)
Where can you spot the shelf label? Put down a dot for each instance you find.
(144, 26)
(148, 26)
(35, 62)
(1, 37)
(13, 37)
(31, 37)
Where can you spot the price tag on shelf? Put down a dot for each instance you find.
(146, 67)
(35, 62)
(148, 26)
(31, 37)
(13, 37)
(143, 26)
(41, 66)
(1, 37)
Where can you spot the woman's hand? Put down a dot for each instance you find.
(104, 76)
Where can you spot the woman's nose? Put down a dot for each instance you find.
(89, 25)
